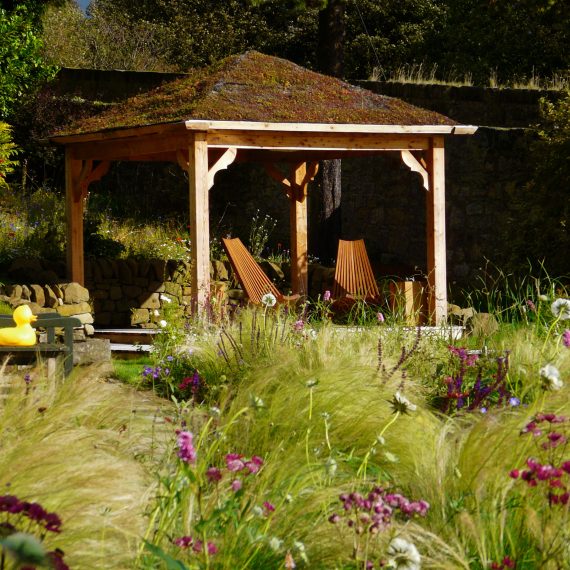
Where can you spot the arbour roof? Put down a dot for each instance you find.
(259, 88)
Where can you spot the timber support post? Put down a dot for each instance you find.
(435, 227)
(199, 221)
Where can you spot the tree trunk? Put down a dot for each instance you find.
(331, 61)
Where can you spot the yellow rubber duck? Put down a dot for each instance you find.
(22, 334)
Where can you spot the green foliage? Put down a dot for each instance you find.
(21, 64)
(260, 230)
(540, 225)
(7, 152)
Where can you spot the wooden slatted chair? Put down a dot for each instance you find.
(353, 277)
(251, 277)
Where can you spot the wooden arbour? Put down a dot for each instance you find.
(203, 148)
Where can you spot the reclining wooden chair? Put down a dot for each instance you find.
(250, 275)
(353, 277)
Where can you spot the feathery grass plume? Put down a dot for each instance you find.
(73, 446)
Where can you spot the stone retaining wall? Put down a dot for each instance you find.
(66, 299)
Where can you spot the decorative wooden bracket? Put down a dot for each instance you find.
(221, 163)
(296, 190)
(416, 165)
(90, 173)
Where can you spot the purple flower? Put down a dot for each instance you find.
(213, 474)
(566, 338)
(183, 541)
(514, 402)
(254, 465)
(299, 325)
(531, 305)
(269, 507)
(212, 548)
(236, 485)
(327, 295)
(186, 450)
(234, 462)
(380, 317)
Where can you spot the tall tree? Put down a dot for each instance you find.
(22, 68)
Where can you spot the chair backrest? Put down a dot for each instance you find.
(353, 274)
(248, 272)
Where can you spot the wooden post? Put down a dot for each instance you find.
(298, 223)
(435, 227)
(199, 221)
(74, 219)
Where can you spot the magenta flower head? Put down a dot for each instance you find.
(566, 338)
(186, 450)
(254, 465)
(327, 295)
(213, 474)
(380, 317)
(268, 507)
(234, 462)
(299, 325)
(235, 485)
(183, 541)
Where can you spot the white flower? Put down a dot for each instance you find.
(561, 309)
(402, 404)
(162, 323)
(268, 300)
(165, 298)
(543, 298)
(403, 555)
(551, 377)
(156, 313)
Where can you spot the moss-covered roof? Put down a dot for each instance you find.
(257, 87)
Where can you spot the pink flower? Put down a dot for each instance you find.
(327, 295)
(183, 541)
(269, 507)
(380, 317)
(213, 474)
(186, 450)
(212, 548)
(236, 485)
(254, 465)
(234, 462)
(514, 474)
(299, 325)
(566, 338)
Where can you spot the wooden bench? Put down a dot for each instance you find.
(250, 275)
(49, 350)
(353, 277)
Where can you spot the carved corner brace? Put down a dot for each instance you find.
(416, 164)
(295, 189)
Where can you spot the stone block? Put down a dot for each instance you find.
(132, 291)
(103, 318)
(78, 335)
(89, 329)
(26, 293)
(119, 319)
(141, 282)
(100, 294)
(272, 270)
(116, 292)
(156, 286)
(74, 293)
(73, 310)
(172, 289)
(38, 295)
(92, 351)
(125, 272)
(149, 301)
(158, 269)
(140, 316)
(50, 297)
(125, 305)
(85, 318)
(218, 270)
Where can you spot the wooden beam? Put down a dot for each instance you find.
(293, 189)
(210, 126)
(74, 219)
(298, 223)
(130, 147)
(435, 227)
(317, 141)
(416, 166)
(199, 221)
